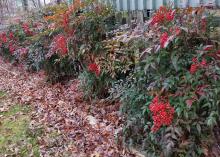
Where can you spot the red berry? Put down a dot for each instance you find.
(204, 63)
(193, 68)
(163, 40)
(94, 68)
(195, 60)
(162, 113)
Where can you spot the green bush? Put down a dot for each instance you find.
(95, 86)
(165, 72)
(179, 70)
(59, 39)
(61, 69)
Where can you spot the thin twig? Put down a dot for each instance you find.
(8, 71)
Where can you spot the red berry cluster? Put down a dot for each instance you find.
(11, 36)
(60, 44)
(162, 15)
(196, 65)
(9, 40)
(3, 38)
(26, 29)
(175, 31)
(164, 39)
(162, 113)
(66, 16)
(170, 15)
(94, 68)
(11, 47)
(66, 20)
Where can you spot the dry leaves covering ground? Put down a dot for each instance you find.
(65, 125)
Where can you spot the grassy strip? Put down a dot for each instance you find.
(14, 137)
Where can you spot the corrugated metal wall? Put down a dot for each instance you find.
(129, 5)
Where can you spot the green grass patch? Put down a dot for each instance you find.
(2, 94)
(14, 137)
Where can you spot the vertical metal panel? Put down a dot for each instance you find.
(213, 2)
(114, 3)
(136, 5)
(194, 3)
(182, 3)
(173, 3)
(129, 5)
(150, 4)
(125, 5)
(205, 1)
(218, 3)
(140, 5)
(159, 3)
(132, 4)
(154, 4)
(118, 7)
(145, 4)
(164, 2)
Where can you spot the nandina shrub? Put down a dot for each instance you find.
(34, 56)
(60, 65)
(116, 62)
(27, 42)
(8, 45)
(95, 82)
(170, 99)
(80, 36)
(59, 36)
(60, 69)
(121, 54)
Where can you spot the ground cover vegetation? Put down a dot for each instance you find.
(165, 72)
(16, 138)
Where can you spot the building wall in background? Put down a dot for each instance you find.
(129, 5)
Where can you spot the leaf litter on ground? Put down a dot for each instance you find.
(64, 125)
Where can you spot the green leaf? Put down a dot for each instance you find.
(211, 122)
(188, 127)
(198, 128)
(174, 60)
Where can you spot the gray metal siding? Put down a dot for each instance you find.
(127, 5)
